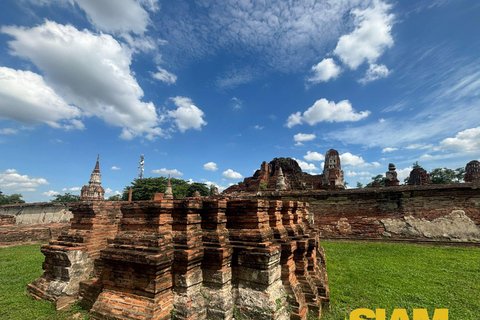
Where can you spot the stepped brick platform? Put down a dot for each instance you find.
(195, 258)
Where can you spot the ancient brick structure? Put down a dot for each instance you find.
(332, 171)
(391, 176)
(418, 177)
(472, 171)
(294, 178)
(196, 258)
(93, 191)
(440, 212)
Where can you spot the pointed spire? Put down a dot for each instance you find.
(280, 185)
(97, 166)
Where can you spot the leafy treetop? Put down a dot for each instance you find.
(143, 189)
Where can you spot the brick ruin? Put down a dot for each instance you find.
(418, 177)
(472, 171)
(194, 258)
(284, 174)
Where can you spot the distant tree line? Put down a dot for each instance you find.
(10, 199)
(437, 176)
(143, 189)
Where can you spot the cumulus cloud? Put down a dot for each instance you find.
(324, 71)
(389, 149)
(403, 173)
(10, 179)
(210, 166)
(50, 193)
(302, 137)
(369, 39)
(115, 168)
(187, 116)
(117, 16)
(375, 72)
(314, 156)
(326, 111)
(350, 159)
(258, 127)
(166, 172)
(26, 98)
(90, 71)
(306, 166)
(419, 146)
(467, 141)
(75, 189)
(231, 175)
(165, 76)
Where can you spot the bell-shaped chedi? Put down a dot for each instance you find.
(93, 190)
(472, 171)
(391, 176)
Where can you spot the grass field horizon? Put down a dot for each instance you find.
(361, 275)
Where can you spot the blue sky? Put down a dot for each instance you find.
(209, 89)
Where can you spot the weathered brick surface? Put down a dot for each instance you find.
(32, 233)
(197, 258)
(358, 213)
(7, 219)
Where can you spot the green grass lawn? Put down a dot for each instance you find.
(403, 276)
(361, 275)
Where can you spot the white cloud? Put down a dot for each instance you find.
(187, 116)
(165, 76)
(354, 174)
(324, 71)
(328, 111)
(403, 173)
(115, 168)
(375, 72)
(89, 71)
(370, 37)
(26, 98)
(306, 166)
(302, 137)
(7, 130)
(75, 189)
(50, 193)
(237, 103)
(350, 159)
(313, 156)
(231, 175)
(419, 146)
(389, 149)
(210, 166)
(165, 172)
(116, 16)
(10, 179)
(467, 141)
(257, 127)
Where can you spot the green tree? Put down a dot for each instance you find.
(116, 197)
(359, 185)
(67, 197)
(416, 165)
(143, 189)
(446, 175)
(10, 199)
(378, 178)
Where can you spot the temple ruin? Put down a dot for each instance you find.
(284, 174)
(93, 190)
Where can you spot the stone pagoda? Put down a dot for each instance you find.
(472, 171)
(93, 191)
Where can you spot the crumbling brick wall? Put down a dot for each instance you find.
(196, 258)
(432, 212)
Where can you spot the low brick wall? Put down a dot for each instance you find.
(433, 212)
(11, 235)
(40, 212)
(7, 220)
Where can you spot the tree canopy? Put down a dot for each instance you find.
(143, 189)
(10, 199)
(446, 175)
(67, 197)
(378, 178)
